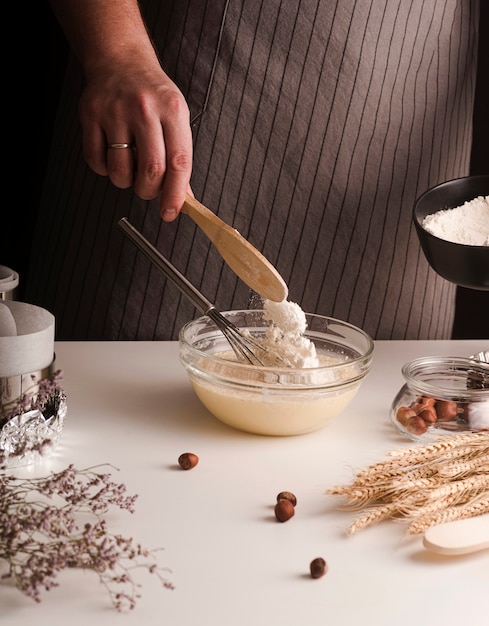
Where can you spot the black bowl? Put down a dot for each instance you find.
(467, 266)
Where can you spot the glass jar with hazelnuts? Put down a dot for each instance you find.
(441, 396)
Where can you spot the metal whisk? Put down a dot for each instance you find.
(479, 378)
(482, 357)
(244, 346)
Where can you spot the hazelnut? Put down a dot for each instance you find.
(427, 400)
(284, 510)
(187, 460)
(422, 403)
(428, 414)
(287, 495)
(416, 425)
(318, 567)
(446, 410)
(404, 414)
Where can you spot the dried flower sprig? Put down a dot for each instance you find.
(54, 523)
(424, 485)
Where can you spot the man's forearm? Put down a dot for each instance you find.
(103, 31)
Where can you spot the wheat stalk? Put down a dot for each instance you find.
(444, 480)
(477, 506)
(372, 516)
(477, 465)
(418, 459)
(432, 451)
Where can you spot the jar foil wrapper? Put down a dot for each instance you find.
(33, 434)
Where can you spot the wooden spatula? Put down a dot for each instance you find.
(459, 537)
(243, 258)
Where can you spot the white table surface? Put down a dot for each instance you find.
(131, 405)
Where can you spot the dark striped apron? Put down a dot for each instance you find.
(316, 124)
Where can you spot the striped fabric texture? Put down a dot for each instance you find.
(316, 125)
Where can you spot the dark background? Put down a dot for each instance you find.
(32, 90)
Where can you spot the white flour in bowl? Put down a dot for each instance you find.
(467, 224)
(288, 316)
(285, 335)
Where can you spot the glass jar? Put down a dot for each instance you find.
(32, 414)
(442, 396)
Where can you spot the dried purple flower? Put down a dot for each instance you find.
(39, 538)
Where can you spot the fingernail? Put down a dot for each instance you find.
(169, 214)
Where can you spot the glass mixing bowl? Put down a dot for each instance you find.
(274, 400)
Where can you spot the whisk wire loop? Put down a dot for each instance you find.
(243, 347)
